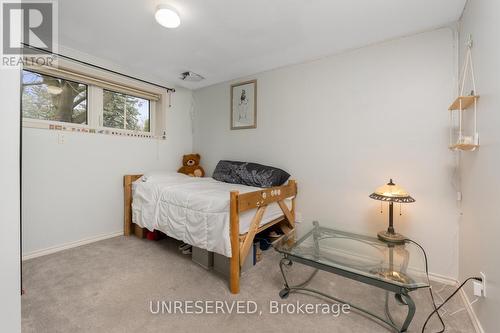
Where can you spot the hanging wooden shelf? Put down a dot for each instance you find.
(467, 101)
(465, 137)
(464, 146)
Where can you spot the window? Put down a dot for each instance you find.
(73, 98)
(46, 97)
(125, 112)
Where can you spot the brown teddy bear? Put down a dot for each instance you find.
(191, 166)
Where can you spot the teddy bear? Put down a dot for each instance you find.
(191, 166)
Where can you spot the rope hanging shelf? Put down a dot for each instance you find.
(458, 138)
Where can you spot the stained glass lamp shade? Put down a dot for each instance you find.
(391, 193)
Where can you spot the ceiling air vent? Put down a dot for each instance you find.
(191, 76)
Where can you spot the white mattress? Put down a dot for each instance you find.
(194, 210)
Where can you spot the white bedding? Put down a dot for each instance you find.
(194, 210)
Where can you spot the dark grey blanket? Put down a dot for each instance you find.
(251, 174)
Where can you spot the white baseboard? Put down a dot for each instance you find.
(443, 279)
(471, 312)
(57, 248)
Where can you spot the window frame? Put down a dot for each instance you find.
(123, 130)
(95, 95)
(33, 122)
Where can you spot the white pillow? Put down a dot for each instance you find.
(161, 176)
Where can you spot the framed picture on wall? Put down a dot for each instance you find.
(244, 105)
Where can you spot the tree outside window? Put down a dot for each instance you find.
(125, 112)
(49, 98)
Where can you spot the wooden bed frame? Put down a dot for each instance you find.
(239, 203)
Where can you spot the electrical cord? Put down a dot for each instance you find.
(446, 300)
(437, 308)
(430, 288)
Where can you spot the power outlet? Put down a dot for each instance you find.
(480, 286)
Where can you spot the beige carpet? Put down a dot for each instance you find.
(107, 287)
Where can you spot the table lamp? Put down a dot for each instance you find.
(391, 193)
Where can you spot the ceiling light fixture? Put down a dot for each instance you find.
(191, 76)
(167, 17)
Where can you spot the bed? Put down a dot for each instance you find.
(207, 213)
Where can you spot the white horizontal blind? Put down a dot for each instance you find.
(94, 80)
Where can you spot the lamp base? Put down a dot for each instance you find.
(393, 275)
(388, 237)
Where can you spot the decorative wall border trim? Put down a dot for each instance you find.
(81, 129)
(97, 131)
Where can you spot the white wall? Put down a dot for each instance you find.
(73, 191)
(10, 301)
(480, 225)
(343, 125)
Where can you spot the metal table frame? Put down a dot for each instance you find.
(401, 293)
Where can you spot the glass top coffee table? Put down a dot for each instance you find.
(396, 268)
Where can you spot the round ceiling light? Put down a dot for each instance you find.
(167, 17)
